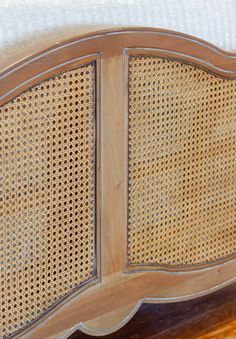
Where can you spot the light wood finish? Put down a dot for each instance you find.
(112, 301)
(182, 320)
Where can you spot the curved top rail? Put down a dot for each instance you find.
(21, 71)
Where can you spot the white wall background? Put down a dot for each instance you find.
(211, 20)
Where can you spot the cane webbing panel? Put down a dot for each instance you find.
(182, 164)
(47, 213)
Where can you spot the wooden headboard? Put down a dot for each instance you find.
(118, 178)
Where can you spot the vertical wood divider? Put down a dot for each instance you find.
(112, 165)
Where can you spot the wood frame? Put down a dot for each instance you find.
(107, 303)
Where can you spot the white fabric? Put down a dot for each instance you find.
(211, 20)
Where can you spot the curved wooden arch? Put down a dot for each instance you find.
(115, 295)
(16, 75)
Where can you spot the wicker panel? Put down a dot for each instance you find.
(182, 164)
(47, 213)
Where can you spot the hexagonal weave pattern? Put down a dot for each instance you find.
(182, 164)
(47, 199)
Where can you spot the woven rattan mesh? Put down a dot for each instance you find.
(182, 164)
(47, 214)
